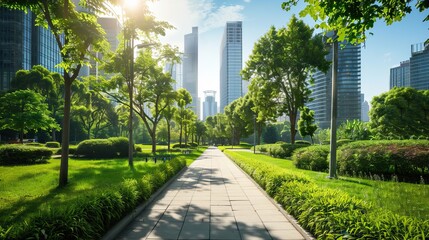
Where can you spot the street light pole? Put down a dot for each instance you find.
(131, 94)
(333, 142)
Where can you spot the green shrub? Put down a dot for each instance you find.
(283, 150)
(21, 154)
(262, 148)
(139, 149)
(72, 150)
(193, 144)
(120, 145)
(328, 213)
(312, 158)
(342, 142)
(177, 145)
(96, 148)
(399, 157)
(91, 216)
(52, 144)
(34, 144)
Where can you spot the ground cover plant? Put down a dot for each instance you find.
(347, 207)
(99, 193)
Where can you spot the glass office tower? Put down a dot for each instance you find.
(419, 66)
(190, 68)
(349, 88)
(231, 84)
(23, 45)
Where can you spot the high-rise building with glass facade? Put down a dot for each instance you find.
(231, 83)
(23, 45)
(349, 88)
(190, 68)
(209, 104)
(419, 66)
(400, 75)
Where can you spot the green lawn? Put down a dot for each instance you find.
(402, 198)
(24, 190)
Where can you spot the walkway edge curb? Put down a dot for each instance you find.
(119, 226)
(291, 219)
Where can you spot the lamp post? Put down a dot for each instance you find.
(333, 142)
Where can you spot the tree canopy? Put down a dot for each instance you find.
(280, 65)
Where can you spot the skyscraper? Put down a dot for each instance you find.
(176, 73)
(364, 109)
(349, 83)
(23, 45)
(400, 75)
(231, 84)
(209, 104)
(419, 66)
(190, 68)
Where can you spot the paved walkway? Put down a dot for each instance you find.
(213, 199)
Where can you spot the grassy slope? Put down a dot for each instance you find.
(26, 189)
(402, 198)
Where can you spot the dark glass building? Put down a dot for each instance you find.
(23, 45)
(349, 88)
(419, 66)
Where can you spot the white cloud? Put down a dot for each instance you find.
(185, 14)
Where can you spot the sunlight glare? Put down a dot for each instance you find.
(131, 4)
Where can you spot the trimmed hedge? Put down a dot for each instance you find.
(177, 145)
(313, 158)
(328, 213)
(279, 150)
(15, 154)
(96, 148)
(120, 145)
(399, 157)
(52, 144)
(91, 216)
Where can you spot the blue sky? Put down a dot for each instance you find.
(386, 48)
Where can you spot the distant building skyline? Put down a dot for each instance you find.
(23, 45)
(231, 83)
(348, 85)
(364, 109)
(190, 68)
(413, 72)
(209, 104)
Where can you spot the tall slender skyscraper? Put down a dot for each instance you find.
(190, 68)
(23, 45)
(231, 84)
(349, 83)
(209, 104)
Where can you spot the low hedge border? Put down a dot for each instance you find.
(313, 158)
(280, 150)
(328, 213)
(91, 216)
(18, 154)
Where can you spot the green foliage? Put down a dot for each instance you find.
(294, 53)
(120, 145)
(52, 144)
(178, 145)
(93, 215)
(21, 154)
(403, 158)
(302, 142)
(329, 213)
(306, 125)
(270, 134)
(25, 110)
(313, 158)
(400, 114)
(280, 150)
(342, 142)
(353, 130)
(96, 148)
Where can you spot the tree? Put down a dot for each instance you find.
(280, 66)
(74, 32)
(183, 99)
(306, 125)
(354, 130)
(236, 125)
(400, 114)
(271, 134)
(168, 114)
(48, 84)
(25, 110)
(353, 19)
(249, 114)
(200, 130)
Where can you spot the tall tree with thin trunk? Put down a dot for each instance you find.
(281, 64)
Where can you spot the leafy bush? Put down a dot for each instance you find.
(327, 213)
(312, 158)
(262, 148)
(22, 154)
(406, 157)
(342, 142)
(139, 149)
(52, 144)
(96, 148)
(284, 150)
(91, 216)
(72, 150)
(177, 145)
(120, 145)
(34, 144)
(193, 144)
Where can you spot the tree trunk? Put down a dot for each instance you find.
(181, 132)
(168, 135)
(292, 120)
(153, 136)
(21, 136)
(259, 133)
(64, 166)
